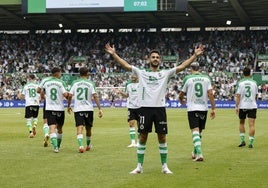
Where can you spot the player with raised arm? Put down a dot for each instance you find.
(153, 83)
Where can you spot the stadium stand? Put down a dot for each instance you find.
(228, 51)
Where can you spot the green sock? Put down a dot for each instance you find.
(242, 137)
(80, 140)
(197, 142)
(163, 152)
(88, 140)
(140, 153)
(35, 121)
(54, 140)
(45, 129)
(251, 140)
(132, 133)
(29, 125)
(59, 139)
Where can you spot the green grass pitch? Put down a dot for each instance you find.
(24, 162)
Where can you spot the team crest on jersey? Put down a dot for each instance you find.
(152, 78)
(133, 90)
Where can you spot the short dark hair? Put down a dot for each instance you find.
(32, 76)
(246, 71)
(83, 71)
(195, 66)
(154, 51)
(55, 70)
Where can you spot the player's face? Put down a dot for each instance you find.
(154, 60)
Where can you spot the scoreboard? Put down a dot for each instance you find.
(84, 6)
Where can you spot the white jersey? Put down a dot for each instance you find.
(248, 89)
(153, 86)
(132, 91)
(41, 85)
(82, 91)
(196, 87)
(32, 98)
(54, 89)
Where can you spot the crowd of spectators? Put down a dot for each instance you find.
(226, 54)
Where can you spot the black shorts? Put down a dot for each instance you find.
(55, 117)
(132, 114)
(152, 115)
(84, 118)
(250, 113)
(197, 119)
(31, 111)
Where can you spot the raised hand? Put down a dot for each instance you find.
(110, 49)
(199, 50)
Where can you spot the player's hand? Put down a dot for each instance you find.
(212, 114)
(236, 110)
(110, 49)
(118, 91)
(183, 102)
(100, 113)
(199, 50)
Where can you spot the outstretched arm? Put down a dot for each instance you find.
(187, 62)
(111, 50)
